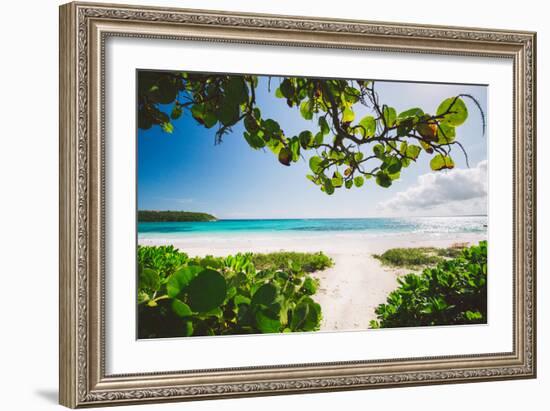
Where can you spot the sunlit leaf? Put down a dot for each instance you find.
(453, 110)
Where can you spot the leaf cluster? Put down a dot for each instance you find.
(344, 149)
(182, 296)
(454, 292)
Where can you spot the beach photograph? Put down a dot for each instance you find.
(277, 204)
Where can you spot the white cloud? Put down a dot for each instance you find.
(458, 191)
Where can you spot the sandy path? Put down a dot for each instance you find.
(350, 291)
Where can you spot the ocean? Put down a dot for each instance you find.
(327, 226)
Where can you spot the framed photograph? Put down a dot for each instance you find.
(257, 204)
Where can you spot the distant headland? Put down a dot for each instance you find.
(176, 216)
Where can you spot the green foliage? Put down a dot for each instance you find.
(158, 216)
(418, 257)
(282, 260)
(179, 296)
(408, 257)
(453, 292)
(342, 141)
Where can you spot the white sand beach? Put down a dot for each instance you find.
(350, 290)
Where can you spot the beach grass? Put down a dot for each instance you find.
(418, 257)
(308, 262)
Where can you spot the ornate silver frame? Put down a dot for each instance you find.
(83, 30)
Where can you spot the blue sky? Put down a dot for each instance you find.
(186, 171)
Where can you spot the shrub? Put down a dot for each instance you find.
(182, 296)
(309, 262)
(453, 292)
(418, 257)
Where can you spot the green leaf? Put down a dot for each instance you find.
(337, 179)
(203, 115)
(295, 148)
(236, 91)
(306, 139)
(456, 110)
(285, 155)
(393, 165)
(180, 279)
(379, 151)
(167, 127)
(188, 329)
(149, 279)
(446, 133)
(359, 180)
(266, 323)
(313, 316)
(229, 111)
(325, 129)
(383, 179)
(309, 286)
(389, 116)
(329, 188)
(253, 140)
(265, 295)
(411, 113)
(306, 109)
(206, 291)
(251, 124)
(241, 299)
(315, 164)
(413, 152)
(271, 127)
(348, 115)
(299, 315)
(180, 308)
(368, 125)
(287, 89)
(440, 162)
(349, 184)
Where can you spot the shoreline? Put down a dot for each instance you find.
(353, 287)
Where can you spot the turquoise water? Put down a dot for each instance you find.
(431, 225)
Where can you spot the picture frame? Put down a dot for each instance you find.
(84, 30)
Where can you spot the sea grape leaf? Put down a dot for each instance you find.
(413, 152)
(368, 124)
(455, 109)
(266, 323)
(389, 116)
(180, 308)
(306, 109)
(254, 141)
(285, 156)
(306, 139)
(315, 164)
(181, 278)
(206, 291)
(383, 179)
(411, 113)
(324, 126)
(446, 133)
(149, 279)
(440, 162)
(265, 295)
(348, 115)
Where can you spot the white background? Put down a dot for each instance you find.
(28, 214)
(125, 355)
